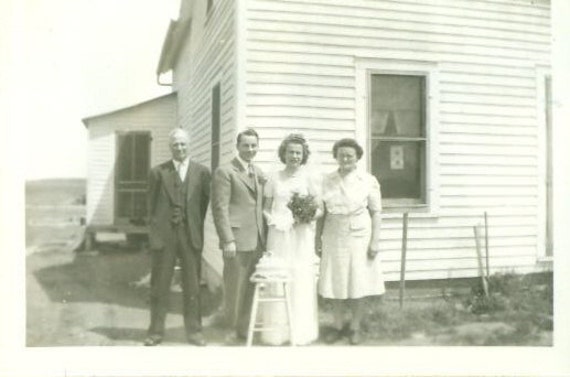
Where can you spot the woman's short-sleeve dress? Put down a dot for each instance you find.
(346, 271)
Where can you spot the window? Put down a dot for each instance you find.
(397, 134)
(216, 107)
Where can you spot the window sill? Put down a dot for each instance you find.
(417, 211)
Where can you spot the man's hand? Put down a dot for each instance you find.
(229, 250)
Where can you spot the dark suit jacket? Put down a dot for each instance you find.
(237, 206)
(163, 197)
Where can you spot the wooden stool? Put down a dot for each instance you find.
(262, 283)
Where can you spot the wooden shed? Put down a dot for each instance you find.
(123, 145)
(449, 98)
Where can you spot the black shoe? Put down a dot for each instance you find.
(355, 337)
(234, 339)
(332, 336)
(153, 340)
(345, 330)
(196, 339)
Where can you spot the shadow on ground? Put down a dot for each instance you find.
(100, 277)
(110, 276)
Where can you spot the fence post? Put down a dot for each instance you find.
(479, 260)
(403, 259)
(487, 245)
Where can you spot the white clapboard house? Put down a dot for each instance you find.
(447, 97)
(122, 146)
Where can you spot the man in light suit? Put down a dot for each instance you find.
(178, 196)
(237, 210)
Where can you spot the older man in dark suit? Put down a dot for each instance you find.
(237, 210)
(179, 191)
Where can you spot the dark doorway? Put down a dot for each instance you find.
(131, 174)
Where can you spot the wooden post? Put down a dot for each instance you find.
(403, 259)
(479, 260)
(487, 246)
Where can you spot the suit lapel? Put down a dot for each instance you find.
(170, 176)
(242, 175)
(191, 183)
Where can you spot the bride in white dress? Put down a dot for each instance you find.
(293, 244)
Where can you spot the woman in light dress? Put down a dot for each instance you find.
(349, 236)
(293, 244)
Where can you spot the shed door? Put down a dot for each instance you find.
(131, 174)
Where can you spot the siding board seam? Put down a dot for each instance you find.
(539, 46)
(457, 24)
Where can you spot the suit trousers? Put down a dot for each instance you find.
(238, 290)
(163, 263)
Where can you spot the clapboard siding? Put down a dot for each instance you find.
(208, 57)
(157, 116)
(301, 76)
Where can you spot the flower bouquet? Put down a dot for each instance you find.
(303, 208)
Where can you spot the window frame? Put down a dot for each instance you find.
(365, 68)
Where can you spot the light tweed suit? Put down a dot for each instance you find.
(237, 210)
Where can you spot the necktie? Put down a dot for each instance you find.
(251, 174)
(181, 172)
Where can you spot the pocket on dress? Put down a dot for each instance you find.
(359, 225)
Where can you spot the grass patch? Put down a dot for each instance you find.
(518, 311)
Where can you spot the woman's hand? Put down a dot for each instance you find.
(372, 253)
(318, 247)
(318, 213)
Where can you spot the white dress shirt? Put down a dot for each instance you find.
(247, 166)
(181, 167)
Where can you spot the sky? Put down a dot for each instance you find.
(70, 59)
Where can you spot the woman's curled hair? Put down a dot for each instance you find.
(294, 139)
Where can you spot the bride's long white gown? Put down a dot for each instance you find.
(294, 244)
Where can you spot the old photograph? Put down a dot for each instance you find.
(292, 177)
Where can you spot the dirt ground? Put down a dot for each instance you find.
(99, 298)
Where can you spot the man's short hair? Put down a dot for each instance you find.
(247, 132)
(178, 132)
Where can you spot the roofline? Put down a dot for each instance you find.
(175, 36)
(166, 48)
(86, 120)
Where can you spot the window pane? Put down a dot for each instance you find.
(397, 105)
(399, 166)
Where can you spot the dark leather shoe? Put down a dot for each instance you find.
(196, 339)
(241, 336)
(355, 337)
(152, 340)
(332, 336)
